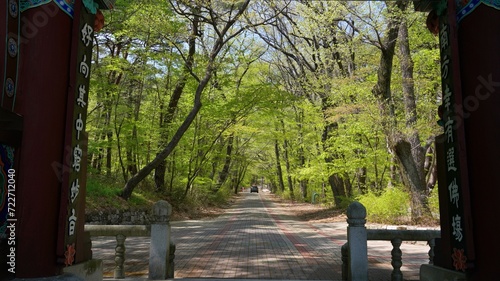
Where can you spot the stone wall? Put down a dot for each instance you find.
(119, 217)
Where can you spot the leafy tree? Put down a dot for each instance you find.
(310, 56)
(404, 142)
(123, 70)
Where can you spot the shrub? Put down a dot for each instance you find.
(391, 206)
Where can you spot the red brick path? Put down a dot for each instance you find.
(257, 240)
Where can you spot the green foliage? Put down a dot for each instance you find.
(101, 187)
(204, 196)
(391, 206)
(317, 109)
(434, 203)
(102, 193)
(221, 197)
(286, 195)
(344, 202)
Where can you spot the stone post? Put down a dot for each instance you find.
(120, 256)
(345, 261)
(432, 245)
(171, 263)
(159, 248)
(357, 245)
(397, 261)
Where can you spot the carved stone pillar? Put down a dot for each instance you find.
(159, 249)
(356, 235)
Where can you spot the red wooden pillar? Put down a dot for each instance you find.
(44, 96)
(468, 150)
(479, 48)
(41, 100)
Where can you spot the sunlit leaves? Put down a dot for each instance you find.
(294, 72)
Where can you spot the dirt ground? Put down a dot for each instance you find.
(315, 213)
(310, 212)
(303, 211)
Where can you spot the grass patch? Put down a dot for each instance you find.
(103, 194)
(97, 187)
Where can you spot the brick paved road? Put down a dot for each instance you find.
(254, 240)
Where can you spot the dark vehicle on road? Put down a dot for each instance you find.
(254, 188)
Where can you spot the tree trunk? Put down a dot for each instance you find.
(347, 185)
(382, 89)
(109, 150)
(279, 172)
(411, 174)
(132, 150)
(303, 188)
(224, 173)
(409, 151)
(299, 119)
(159, 176)
(131, 161)
(108, 133)
(240, 175)
(430, 168)
(97, 159)
(361, 179)
(288, 169)
(337, 185)
(119, 147)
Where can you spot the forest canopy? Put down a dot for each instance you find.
(197, 99)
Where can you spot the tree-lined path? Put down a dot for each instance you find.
(257, 239)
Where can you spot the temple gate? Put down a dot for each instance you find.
(44, 84)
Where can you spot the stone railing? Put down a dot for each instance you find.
(161, 249)
(355, 251)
